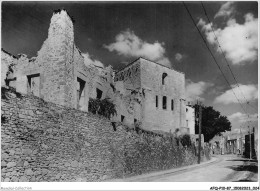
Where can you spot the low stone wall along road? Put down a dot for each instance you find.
(224, 168)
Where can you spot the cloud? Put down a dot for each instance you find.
(242, 117)
(239, 42)
(249, 91)
(225, 10)
(178, 56)
(89, 61)
(195, 90)
(130, 45)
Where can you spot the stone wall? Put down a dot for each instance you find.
(139, 83)
(7, 61)
(157, 118)
(42, 141)
(57, 67)
(130, 75)
(128, 104)
(60, 74)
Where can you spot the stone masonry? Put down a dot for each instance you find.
(144, 92)
(59, 73)
(158, 92)
(48, 135)
(42, 141)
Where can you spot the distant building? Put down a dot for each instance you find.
(190, 119)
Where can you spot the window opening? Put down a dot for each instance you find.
(122, 118)
(164, 102)
(80, 93)
(163, 78)
(99, 93)
(156, 100)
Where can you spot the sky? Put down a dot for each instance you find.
(116, 33)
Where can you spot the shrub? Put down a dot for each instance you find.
(185, 140)
(6, 90)
(102, 107)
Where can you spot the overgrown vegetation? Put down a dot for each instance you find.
(5, 91)
(212, 123)
(164, 152)
(185, 140)
(102, 107)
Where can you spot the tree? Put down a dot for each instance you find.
(212, 122)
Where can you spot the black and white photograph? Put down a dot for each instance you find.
(124, 93)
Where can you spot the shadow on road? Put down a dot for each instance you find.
(245, 180)
(244, 159)
(246, 167)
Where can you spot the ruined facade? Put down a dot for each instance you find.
(157, 96)
(59, 73)
(145, 93)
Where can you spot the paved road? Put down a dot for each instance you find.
(226, 168)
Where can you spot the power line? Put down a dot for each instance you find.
(205, 12)
(212, 55)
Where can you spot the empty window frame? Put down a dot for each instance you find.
(80, 87)
(172, 104)
(164, 102)
(80, 93)
(163, 78)
(99, 93)
(156, 101)
(122, 118)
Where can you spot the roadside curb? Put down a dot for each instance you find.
(166, 172)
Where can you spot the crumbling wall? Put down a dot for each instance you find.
(128, 104)
(42, 141)
(130, 76)
(7, 66)
(53, 64)
(95, 77)
(129, 96)
(56, 57)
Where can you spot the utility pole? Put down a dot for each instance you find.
(250, 142)
(200, 115)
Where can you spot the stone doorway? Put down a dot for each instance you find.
(34, 84)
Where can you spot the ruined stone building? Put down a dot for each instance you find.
(144, 92)
(156, 96)
(59, 73)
